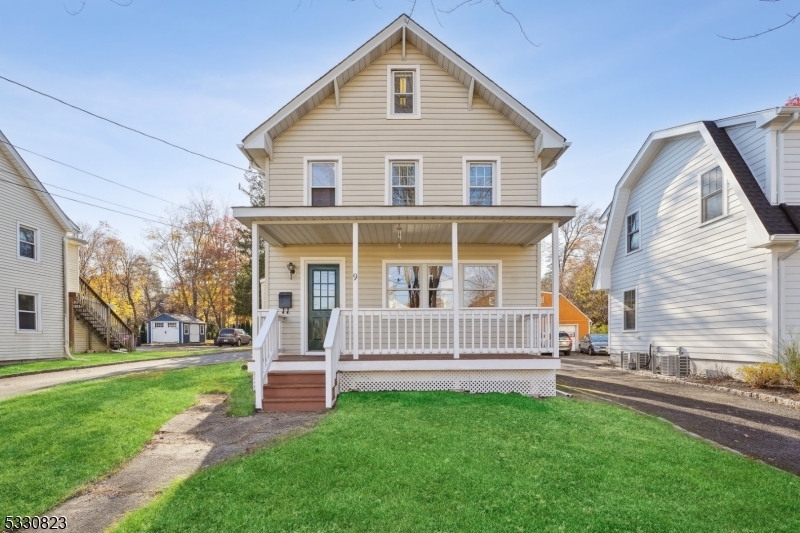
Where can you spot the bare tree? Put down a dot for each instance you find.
(791, 19)
(83, 5)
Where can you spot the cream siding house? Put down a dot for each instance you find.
(46, 310)
(399, 163)
(699, 252)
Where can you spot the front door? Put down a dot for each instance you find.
(323, 296)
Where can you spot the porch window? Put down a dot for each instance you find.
(27, 243)
(404, 287)
(407, 290)
(633, 240)
(480, 285)
(27, 312)
(711, 194)
(440, 286)
(323, 183)
(481, 183)
(629, 310)
(404, 182)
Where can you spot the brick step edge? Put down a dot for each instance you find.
(767, 398)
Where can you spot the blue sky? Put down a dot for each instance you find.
(203, 74)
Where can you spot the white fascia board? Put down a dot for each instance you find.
(761, 118)
(26, 172)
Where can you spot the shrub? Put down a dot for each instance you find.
(762, 375)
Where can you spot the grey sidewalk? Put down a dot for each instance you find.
(24, 384)
(765, 431)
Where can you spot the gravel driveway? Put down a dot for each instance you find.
(764, 431)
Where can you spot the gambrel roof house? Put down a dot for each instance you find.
(699, 252)
(401, 230)
(46, 312)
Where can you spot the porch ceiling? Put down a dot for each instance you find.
(498, 225)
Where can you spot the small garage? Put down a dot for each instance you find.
(172, 328)
(570, 319)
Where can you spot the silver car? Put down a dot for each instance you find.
(594, 344)
(244, 336)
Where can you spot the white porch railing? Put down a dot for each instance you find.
(265, 349)
(261, 315)
(430, 331)
(332, 345)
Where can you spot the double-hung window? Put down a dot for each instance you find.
(404, 180)
(480, 285)
(419, 286)
(186, 329)
(28, 245)
(323, 180)
(27, 312)
(481, 180)
(712, 194)
(629, 310)
(633, 241)
(403, 91)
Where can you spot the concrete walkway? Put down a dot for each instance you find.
(764, 431)
(24, 384)
(200, 436)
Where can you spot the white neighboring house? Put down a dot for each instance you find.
(699, 251)
(39, 275)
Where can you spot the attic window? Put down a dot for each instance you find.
(403, 92)
(712, 198)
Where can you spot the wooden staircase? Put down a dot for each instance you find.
(90, 309)
(294, 391)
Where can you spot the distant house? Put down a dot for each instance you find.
(699, 252)
(570, 319)
(174, 328)
(46, 310)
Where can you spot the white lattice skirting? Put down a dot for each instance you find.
(527, 382)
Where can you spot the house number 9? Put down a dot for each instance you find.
(355, 276)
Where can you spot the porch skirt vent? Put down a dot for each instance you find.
(527, 382)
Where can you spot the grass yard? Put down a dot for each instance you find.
(448, 462)
(96, 359)
(54, 441)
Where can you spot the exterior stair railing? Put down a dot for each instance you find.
(98, 316)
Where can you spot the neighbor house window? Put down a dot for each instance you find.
(629, 310)
(404, 180)
(712, 194)
(158, 324)
(633, 241)
(202, 329)
(186, 329)
(28, 243)
(407, 289)
(403, 91)
(172, 324)
(27, 312)
(323, 183)
(480, 285)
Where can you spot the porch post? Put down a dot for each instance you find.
(355, 290)
(256, 281)
(556, 292)
(456, 293)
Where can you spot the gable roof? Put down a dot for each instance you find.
(770, 220)
(36, 186)
(551, 145)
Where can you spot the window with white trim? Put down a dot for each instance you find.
(633, 241)
(403, 180)
(28, 243)
(172, 324)
(481, 183)
(158, 324)
(629, 310)
(186, 329)
(480, 285)
(27, 312)
(202, 329)
(403, 92)
(712, 194)
(407, 289)
(322, 182)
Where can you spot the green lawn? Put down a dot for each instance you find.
(96, 359)
(448, 462)
(54, 441)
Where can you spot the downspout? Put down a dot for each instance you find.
(779, 154)
(66, 299)
(554, 164)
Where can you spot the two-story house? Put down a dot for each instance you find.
(402, 226)
(700, 249)
(46, 310)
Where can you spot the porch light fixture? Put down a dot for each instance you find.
(399, 235)
(292, 270)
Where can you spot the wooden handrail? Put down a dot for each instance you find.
(115, 315)
(104, 314)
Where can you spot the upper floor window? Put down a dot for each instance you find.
(403, 91)
(712, 194)
(28, 243)
(481, 180)
(629, 310)
(323, 181)
(633, 240)
(404, 180)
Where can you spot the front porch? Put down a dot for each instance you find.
(434, 328)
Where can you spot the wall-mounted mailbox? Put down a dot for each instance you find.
(285, 301)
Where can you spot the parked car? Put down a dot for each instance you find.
(234, 337)
(564, 343)
(593, 344)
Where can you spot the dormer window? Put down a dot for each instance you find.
(403, 94)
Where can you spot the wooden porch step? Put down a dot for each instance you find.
(291, 391)
(296, 378)
(284, 405)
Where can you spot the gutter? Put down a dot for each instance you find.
(554, 164)
(779, 154)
